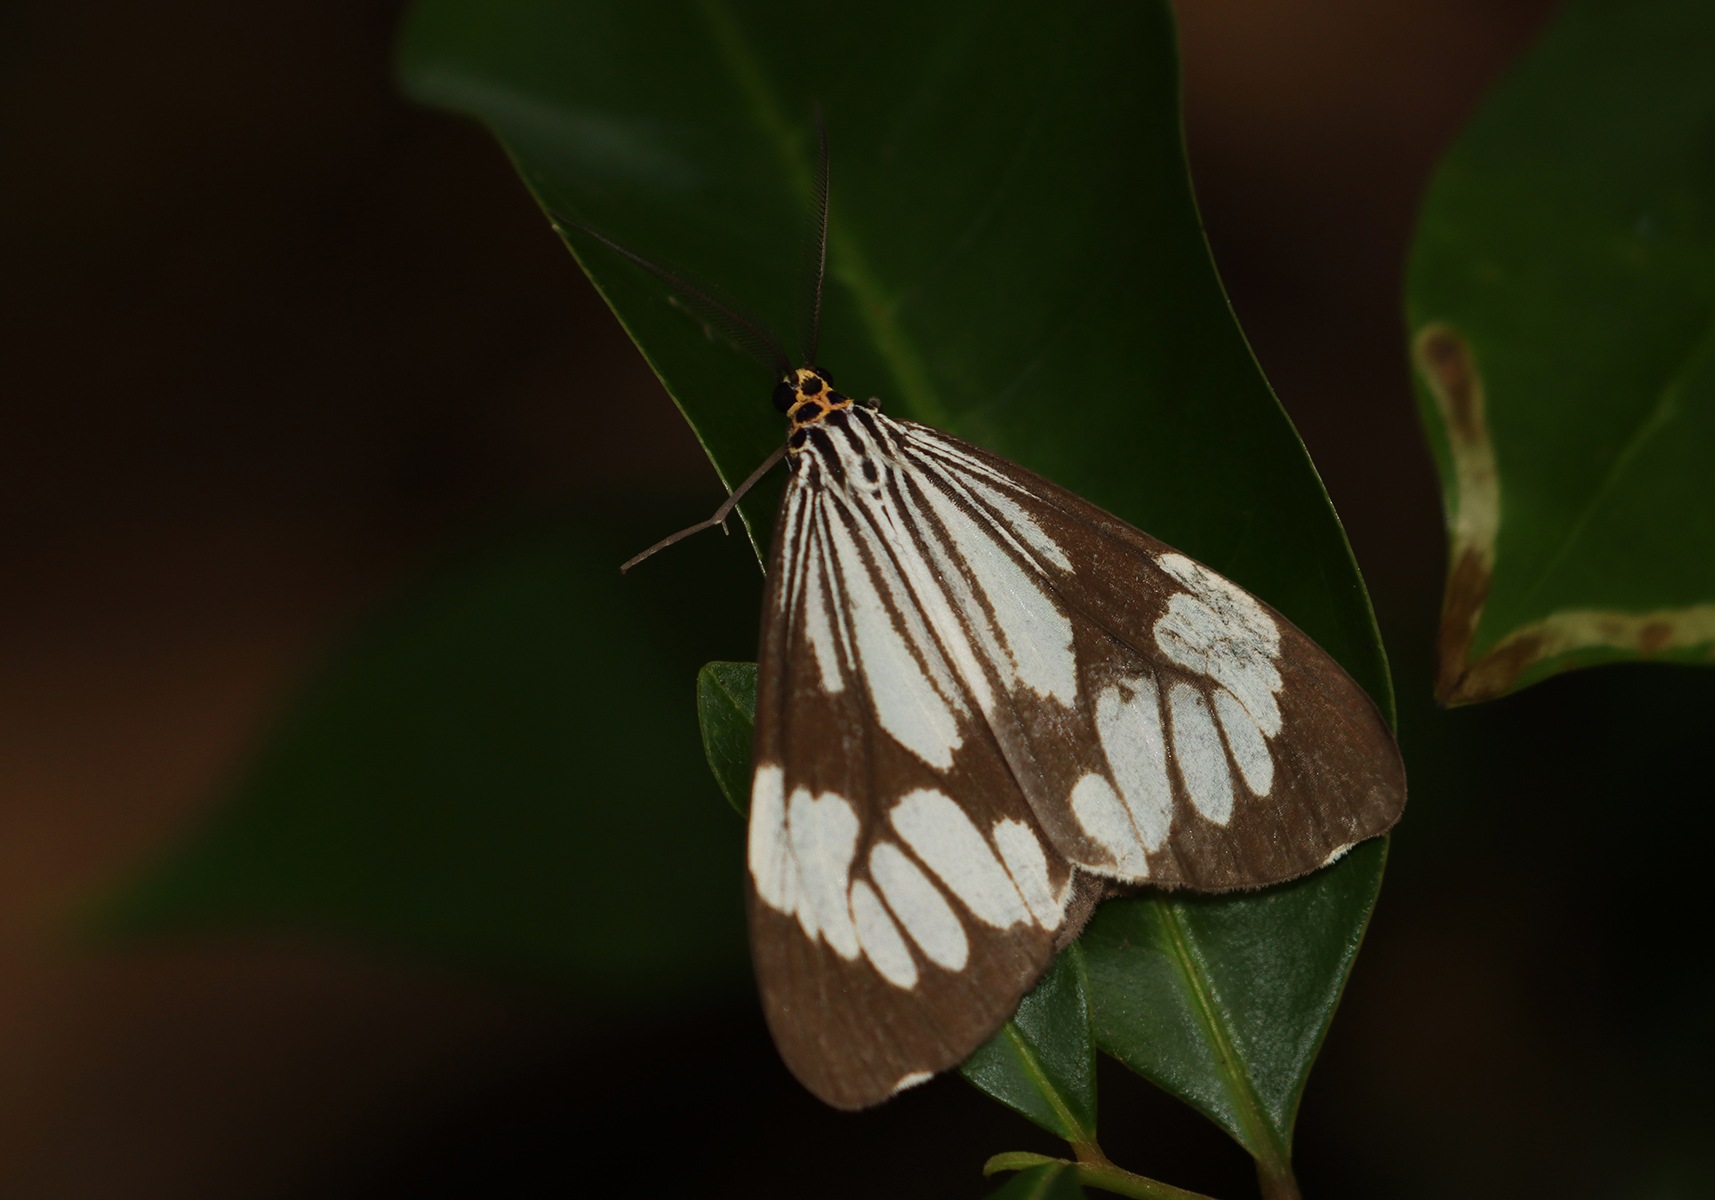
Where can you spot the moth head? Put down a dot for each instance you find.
(807, 396)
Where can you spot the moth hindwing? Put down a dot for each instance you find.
(982, 702)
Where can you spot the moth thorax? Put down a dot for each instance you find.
(808, 398)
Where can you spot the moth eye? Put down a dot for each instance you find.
(784, 395)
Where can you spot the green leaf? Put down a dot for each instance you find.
(1224, 1001)
(1561, 298)
(726, 714)
(488, 772)
(1050, 1181)
(1014, 256)
(1042, 1063)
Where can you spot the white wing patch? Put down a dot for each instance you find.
(907, 703)
(822, 833)
(962, 623)
(1337, 853)
(1204, 733)
(1245, 742)
(800, 853)
(1021, 851)
(1136, 750)
(910, 1081)
(1037, 634)
(1221, 631)
(1019, 522)
(1201, 758)
(801, 859)
(880, 938)
(1241, 613)
(920, 907)
(947, 842)
(941, 599)
(814, 604)
(1102, 816)
(771, 865)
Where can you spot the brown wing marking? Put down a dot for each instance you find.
(1333, 776)
(848, 1031)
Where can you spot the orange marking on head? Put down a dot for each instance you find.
(815, 398)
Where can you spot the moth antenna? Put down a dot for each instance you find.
(819, 198)
(749, 334)
(719, 518)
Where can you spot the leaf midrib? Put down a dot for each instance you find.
(893, 346)
(1247, 1105)
(1072, 1129)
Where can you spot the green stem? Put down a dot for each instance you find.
(1276, 1187)
(1097, 1174)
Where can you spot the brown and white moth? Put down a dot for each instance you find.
(982, 703)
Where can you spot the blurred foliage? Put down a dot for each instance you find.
(501, 769)
(1559, 297)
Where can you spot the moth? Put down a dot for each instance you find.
(982, 704)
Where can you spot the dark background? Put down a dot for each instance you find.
(274, 340)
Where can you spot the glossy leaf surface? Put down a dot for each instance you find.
(726, 707)
(1225, 1001)
(1042, 1063)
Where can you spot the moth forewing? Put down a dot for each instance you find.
(1267, 757)
(875, 971)
(981, 700)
